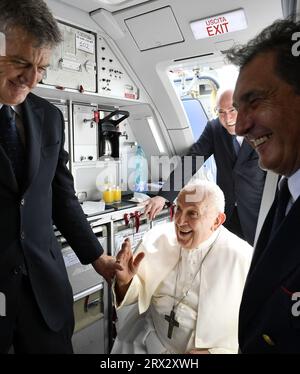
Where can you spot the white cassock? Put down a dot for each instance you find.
(204, 286)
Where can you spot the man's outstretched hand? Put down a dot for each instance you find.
(107, 267)
(153, 206)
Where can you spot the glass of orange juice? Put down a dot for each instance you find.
(117, 194)
(108, 195)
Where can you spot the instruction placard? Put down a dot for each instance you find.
(85, 42)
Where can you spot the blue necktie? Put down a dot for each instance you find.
(11, 142)
(236, 145)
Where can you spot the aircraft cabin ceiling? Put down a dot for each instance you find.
(110, 5)
(157, 34)
(154, 36)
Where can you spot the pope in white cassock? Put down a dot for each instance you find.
(187, 279)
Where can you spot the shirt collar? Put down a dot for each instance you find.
(16, 108)
(239, 139)
(294, 185)
(206, 245)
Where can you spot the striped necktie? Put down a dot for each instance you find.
(11, 142)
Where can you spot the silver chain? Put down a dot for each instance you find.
(175, 305)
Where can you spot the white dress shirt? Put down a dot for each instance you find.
(294, 188)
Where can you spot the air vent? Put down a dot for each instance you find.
(191, 57)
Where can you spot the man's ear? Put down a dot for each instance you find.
(220, 219)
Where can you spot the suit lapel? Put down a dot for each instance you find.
(263, 239)
(7, 176)
(33, 120)
(227, 141)
(244, 152)
(273, 261)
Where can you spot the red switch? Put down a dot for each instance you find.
(96, 116)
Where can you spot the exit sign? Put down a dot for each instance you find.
(219, 24)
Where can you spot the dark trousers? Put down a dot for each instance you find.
(234, 225)
(24, 328)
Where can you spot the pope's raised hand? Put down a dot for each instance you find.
(129, 263)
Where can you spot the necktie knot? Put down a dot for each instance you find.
(284, 194)
(236, 144)
(6, 115)
(283, 197)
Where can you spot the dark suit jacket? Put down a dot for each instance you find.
(274, 275)
(27, 215)
(241, 179)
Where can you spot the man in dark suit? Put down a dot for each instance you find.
(36, 189)
(267, 97)
(238, 173)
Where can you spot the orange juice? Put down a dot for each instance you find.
(117, 194)
(108, 196)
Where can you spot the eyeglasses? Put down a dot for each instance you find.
(223, 112)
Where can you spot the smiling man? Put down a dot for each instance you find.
(268, 114)
(24, 65)
(238, 173)
(36, 189)
(187, 277)
(267, 97)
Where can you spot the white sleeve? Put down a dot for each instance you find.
(131, 295)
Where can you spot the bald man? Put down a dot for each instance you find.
(238, 173)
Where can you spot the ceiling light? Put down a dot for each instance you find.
(156, 135)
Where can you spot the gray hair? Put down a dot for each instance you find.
(207, 192)
(34, 17)
(276, 38)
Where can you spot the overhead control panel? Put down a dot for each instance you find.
(73, 63)
(112, 79)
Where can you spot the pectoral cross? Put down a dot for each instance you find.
(172, 323)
